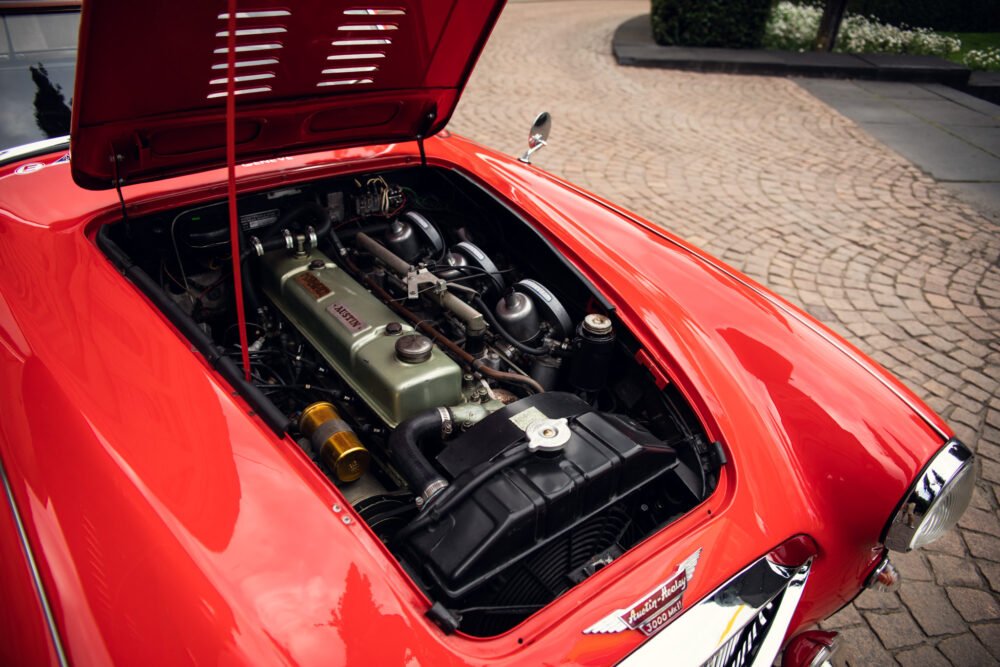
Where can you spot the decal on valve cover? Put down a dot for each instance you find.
(343, 315)
(654, 611)
(313, 285)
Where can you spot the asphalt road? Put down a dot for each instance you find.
(771, 179)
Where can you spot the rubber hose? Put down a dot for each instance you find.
(404, 445)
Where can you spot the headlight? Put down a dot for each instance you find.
(935, 501)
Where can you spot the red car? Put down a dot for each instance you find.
(373, 394)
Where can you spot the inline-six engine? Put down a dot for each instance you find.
(472, 395)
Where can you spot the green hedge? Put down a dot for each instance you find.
(728, 23)
(945, 15)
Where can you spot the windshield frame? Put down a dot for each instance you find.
(58, 55)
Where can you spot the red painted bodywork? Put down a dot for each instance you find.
(173, 527)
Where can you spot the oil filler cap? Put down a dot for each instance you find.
(597, 324)
(414, 348)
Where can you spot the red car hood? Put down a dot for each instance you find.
(151, 79)
(203, 538)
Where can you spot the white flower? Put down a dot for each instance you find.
(793, 27)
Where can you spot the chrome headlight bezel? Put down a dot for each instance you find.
(944, 485)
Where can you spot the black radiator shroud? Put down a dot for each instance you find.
(547, 521)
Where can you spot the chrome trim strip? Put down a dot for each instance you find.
(720, 267)
(775, 638)
(923, 495)
(43, 147)
(35, 574)
(715, 623)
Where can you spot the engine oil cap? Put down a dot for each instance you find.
(597, 324)
(414, 348)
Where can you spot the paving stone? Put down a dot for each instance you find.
(989, 470)
(974, 605)
(932, 609)
(983, 546)
(949, 543)
(912, 567)
(924, 656)
(863, 649)
(872, 599)
(989, 635)
(980, 499)
(980, 521)
(896, 629)
(845, 617)
(992, 573)
(953, 571)
(966, 651)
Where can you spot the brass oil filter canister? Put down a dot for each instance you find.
(338, 445)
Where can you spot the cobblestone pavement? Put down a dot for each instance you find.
(777, 184)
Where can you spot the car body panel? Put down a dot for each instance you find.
(160, 109)
(176, 527)
(22, 616)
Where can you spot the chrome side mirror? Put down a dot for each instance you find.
(537, 136)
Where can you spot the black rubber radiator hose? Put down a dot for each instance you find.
(404, 445)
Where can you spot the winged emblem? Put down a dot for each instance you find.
(655, 610)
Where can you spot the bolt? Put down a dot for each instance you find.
(346, 520)
(336, 508)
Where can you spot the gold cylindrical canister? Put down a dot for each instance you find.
(337, 443)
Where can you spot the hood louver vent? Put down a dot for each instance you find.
(368, 60)
(248, 36)
(309, 75)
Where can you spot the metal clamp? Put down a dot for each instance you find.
(447, 425)
(430, 491)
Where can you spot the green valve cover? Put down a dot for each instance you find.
(347, 325)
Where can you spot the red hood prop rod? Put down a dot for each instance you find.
(234, 228)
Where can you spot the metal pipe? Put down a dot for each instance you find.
(427, 328)
(388, 257)
(475, 324)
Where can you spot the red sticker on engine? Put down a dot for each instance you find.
(313, 285)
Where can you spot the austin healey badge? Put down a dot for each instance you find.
(655, 610)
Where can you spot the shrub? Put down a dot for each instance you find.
(863, 35)
(793, 28)
(945, 15)
(728, 23)
(983, 59)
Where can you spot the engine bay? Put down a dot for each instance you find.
(470, 393)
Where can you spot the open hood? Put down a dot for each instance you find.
(151, 79)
